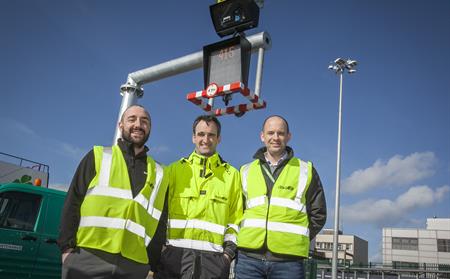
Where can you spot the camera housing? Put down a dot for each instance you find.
(234, 16)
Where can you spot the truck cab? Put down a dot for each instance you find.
(29, 227)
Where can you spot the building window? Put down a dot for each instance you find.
(405, 243)
(443, 245)
(404, 265)
(349, 247)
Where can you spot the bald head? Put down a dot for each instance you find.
(286, 125)
(135, 126)
(275, 135)
(134, 106)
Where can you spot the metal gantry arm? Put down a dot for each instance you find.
(133, 90)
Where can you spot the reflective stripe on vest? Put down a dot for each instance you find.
(115, 223)
(195, 244)
(196, 224)
(275, 226)
(206, 226)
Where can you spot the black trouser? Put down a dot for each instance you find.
(91, 263)
(188, 263)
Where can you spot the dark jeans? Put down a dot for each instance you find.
(88, 263)
(252, 268)
(189, 263)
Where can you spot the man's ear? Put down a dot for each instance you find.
(261, 136)
(288, 138)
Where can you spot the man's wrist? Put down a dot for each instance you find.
(229, 253)
(68, 250)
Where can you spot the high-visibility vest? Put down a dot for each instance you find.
(205, 203)
(281, 219)
(111, 219)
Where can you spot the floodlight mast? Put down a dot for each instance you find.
(132, 90)
(339, 67)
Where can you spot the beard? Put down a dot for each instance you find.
(126, 135)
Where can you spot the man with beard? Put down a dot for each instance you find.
(110, 221)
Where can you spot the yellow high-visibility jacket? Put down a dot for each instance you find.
(205, 203)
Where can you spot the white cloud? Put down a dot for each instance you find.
(53, 145)
(24, 129)
(397, 171)
(385, 212)
(378, 256)
(69, 150)
(59, 186)
(155, 150)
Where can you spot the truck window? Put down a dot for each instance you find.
(19, 210)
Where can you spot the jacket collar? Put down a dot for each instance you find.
(211, 162)
(128, 148)
(259, 155)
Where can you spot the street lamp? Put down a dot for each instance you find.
(339, 67)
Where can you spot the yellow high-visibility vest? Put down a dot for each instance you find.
(111, 219)
(282, 218)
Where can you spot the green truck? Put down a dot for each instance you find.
(29, 225)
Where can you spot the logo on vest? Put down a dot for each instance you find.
(289, 188)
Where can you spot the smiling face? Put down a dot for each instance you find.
(135, 125)
(205, 138)
(275, 136)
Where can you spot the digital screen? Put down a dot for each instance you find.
(225, 65)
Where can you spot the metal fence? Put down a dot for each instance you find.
(322, 270)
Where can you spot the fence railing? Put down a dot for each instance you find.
(322, 270)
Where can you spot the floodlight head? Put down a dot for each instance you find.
(340, 62)
(335, 68)
(351, 71)
(234, 16)
(352, 63)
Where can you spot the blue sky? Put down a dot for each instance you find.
(62, 64)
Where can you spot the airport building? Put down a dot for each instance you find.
(351, 249)
(415, 248)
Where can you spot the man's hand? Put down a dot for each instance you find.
(228, 258)
(65, 254)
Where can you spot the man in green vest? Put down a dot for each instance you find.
(205, 208)
(284, 208)
(110, 221)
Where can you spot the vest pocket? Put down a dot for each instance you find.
(218, 205)
(179, 205)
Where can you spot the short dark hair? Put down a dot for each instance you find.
(136, 105)
(207, 118)
(276, 115)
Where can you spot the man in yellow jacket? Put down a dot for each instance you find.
(284, 208)
(111, 214)
(205, 208)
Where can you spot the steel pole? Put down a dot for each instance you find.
(338, 177)
(130, 94)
